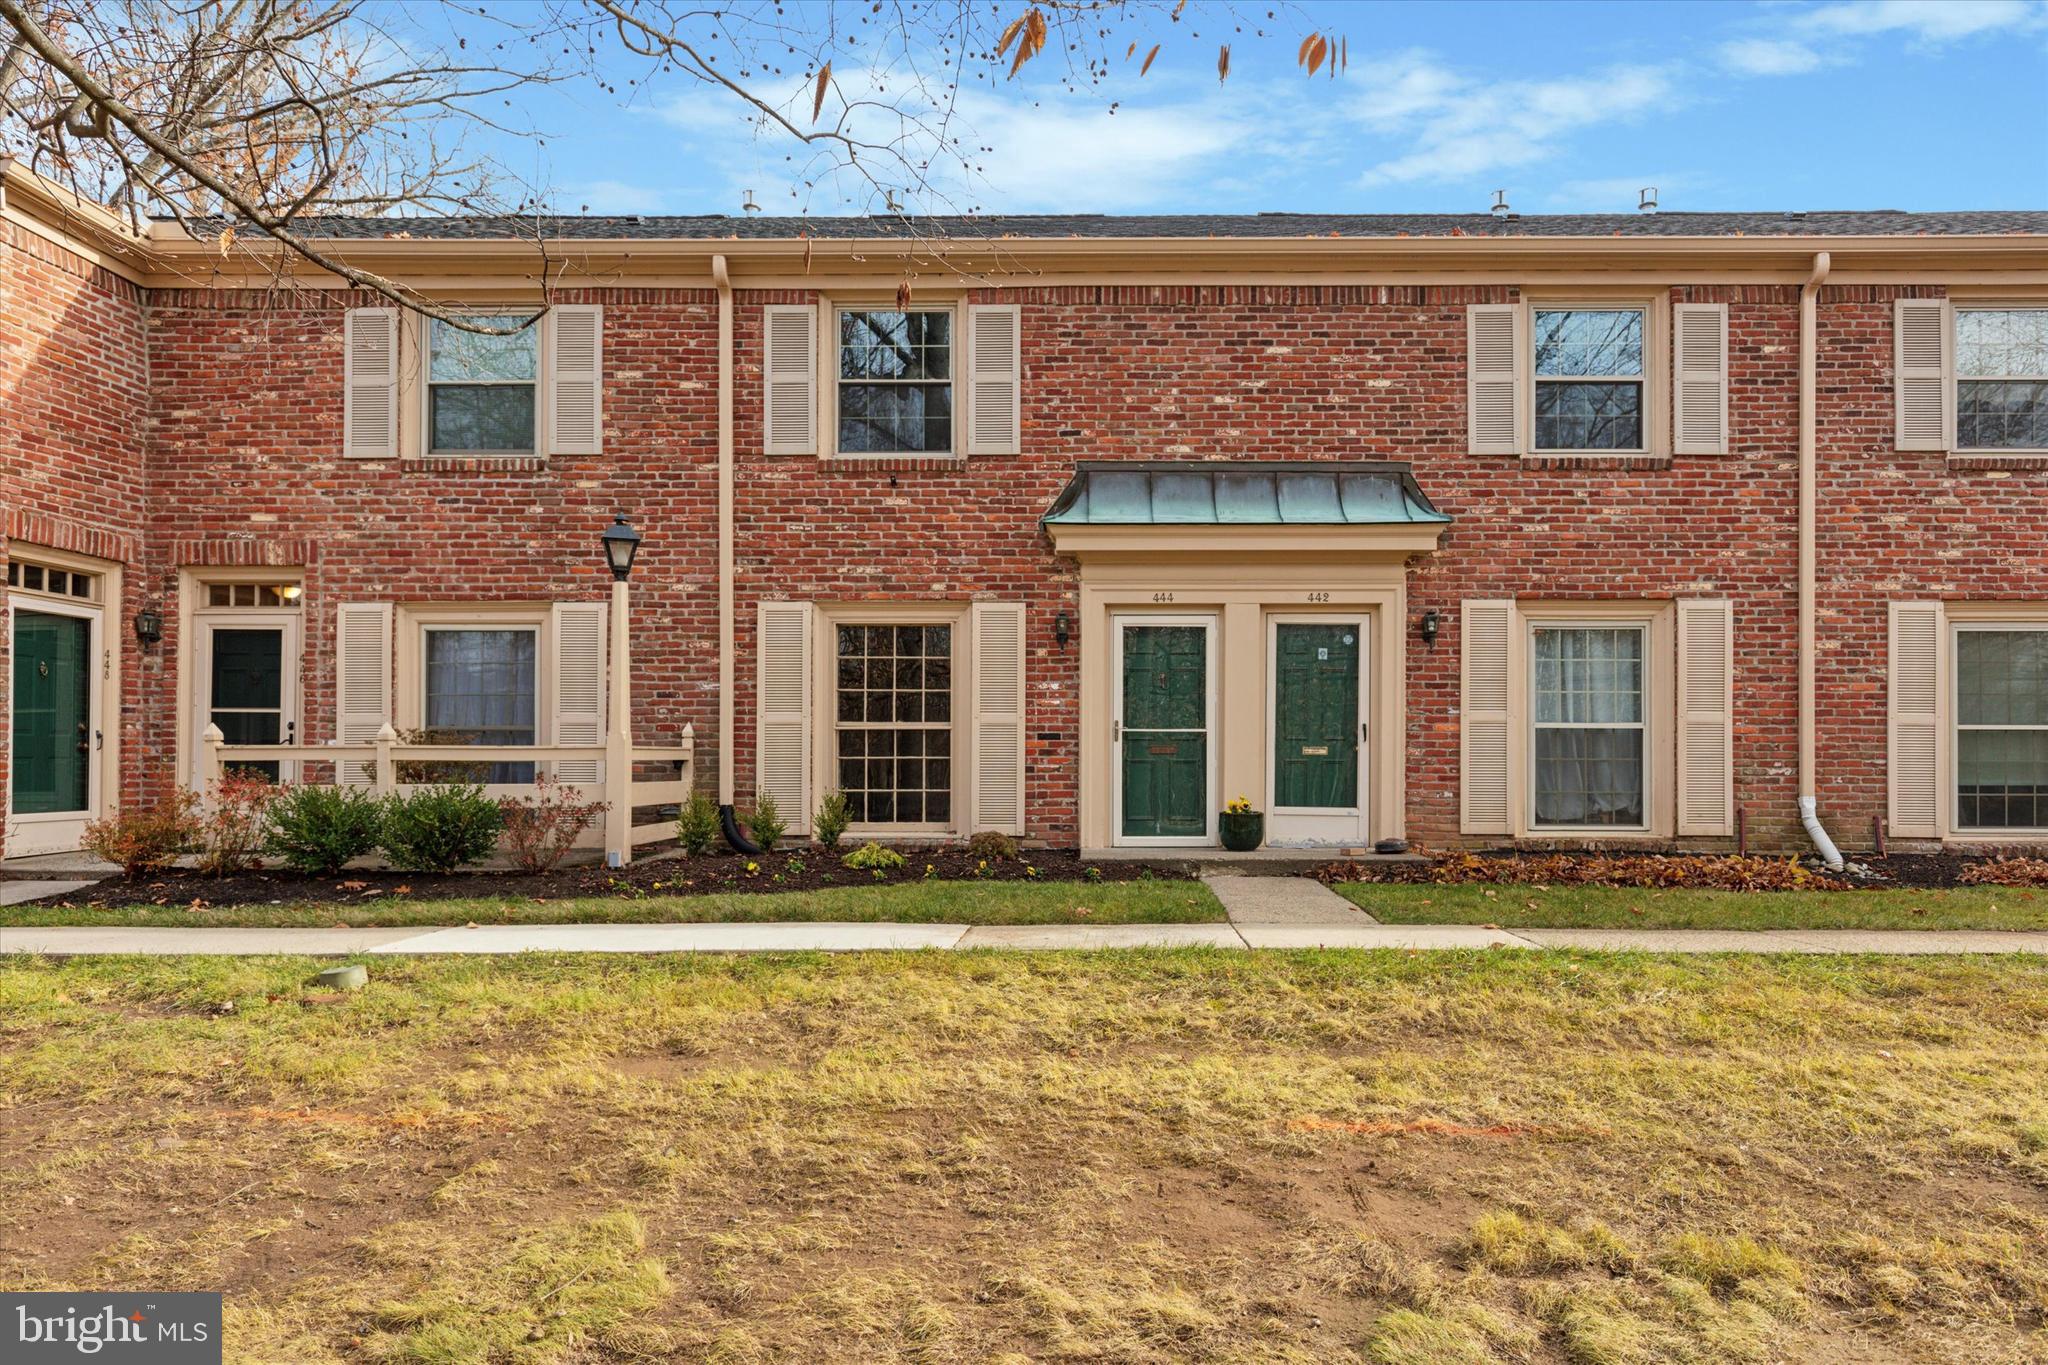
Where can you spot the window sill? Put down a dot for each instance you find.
(891, 464)
(471, 464)
(1988, 459)
(1586, 459)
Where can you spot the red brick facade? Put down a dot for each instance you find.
(167, 429)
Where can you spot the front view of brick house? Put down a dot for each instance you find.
(1452, 529)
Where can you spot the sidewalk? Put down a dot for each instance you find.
(840, 938)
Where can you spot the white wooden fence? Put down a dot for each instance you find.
(377, 763)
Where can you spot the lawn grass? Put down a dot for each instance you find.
(1608, 907)
(1145, 1156)
(1161, 901)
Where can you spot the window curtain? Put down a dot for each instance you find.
(482, 688)
(1589, 736)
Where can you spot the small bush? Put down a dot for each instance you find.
(834, 815)
(765, 822)
(436, 829)
(146, 840)
(318, 830)
(232, 827)
(697, 825)
(993, 846)
(542, 828)
(872, 857)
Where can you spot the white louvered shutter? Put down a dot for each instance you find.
(995, 346)
(576, 379)
(1492, 378)
(783, 689)
(1706, 726)
(998, 737)
(579, 649)
(789, 367)
(362, 681)
(1485, 636)
(369, 419)
(1914, 715)
(1921, 375)
(1701, 411)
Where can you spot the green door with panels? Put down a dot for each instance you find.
(52, 714)
(1315, 715)
(1165, 731)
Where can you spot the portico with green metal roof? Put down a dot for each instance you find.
(1241, 635)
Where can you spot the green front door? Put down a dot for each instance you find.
(1164, 726)
(52, 718)
(1315, 715)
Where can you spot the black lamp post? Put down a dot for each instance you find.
(621, 543)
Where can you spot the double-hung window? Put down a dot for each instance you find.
(2001, 361)
(893, 698)
(1589, 374)
(482, 686)
(482, 390)
(1588, 734)
(2001, 720)
(895, 381)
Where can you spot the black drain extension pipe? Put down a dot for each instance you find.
(738, 842)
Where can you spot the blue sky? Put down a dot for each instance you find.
(1911, 104)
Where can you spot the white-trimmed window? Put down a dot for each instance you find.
(893, 722)
(483, 391)
(53, 580)
(1589, 378)
(2001, 377)
(481, 685)
(1589, 725)
(2001, 727)
(894, 374)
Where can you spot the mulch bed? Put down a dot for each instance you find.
(801, 869)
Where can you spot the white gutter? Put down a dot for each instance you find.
(1809, 494)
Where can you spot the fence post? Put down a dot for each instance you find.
(210, 741)
(384, 777)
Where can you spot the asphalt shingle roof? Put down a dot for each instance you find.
(712, 227)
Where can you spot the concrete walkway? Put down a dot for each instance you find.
(1283, 900)
(17, 892)
(836, 938)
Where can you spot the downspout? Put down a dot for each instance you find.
(728, 822)
(1809, 494)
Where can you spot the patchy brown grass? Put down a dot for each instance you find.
(1109, 1157)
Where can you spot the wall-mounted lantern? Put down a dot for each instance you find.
(1432, 622)
(1062, 629)
(149, 625)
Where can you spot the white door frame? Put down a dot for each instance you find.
(1211, 624)
(1314, 826)
(60, 831)
(290, 625)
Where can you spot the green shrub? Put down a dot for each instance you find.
(872, 857)
(697, 825)
(993, 846)
(765, 822)
(435, 829)
(834, 815)
(148, 839)
(318, 830)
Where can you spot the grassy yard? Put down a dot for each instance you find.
(1442, 1159)
(940, 902)
(1607, 907)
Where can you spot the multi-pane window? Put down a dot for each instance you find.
(893, 694)
(252, 594)
(895, 382)
(482, 390)
(26, 577)
(2002, 729)
(1589, 378)
(482, 687)
(2002, 378)
(1588, 725)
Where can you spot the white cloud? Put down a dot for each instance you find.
(1931, 21)
(612, 196)
(1457, 125)
(1768, 57)
(1614, 194)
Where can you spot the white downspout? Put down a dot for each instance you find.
(723, 280)
(1809, 493)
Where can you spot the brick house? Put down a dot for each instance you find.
(1448, 528)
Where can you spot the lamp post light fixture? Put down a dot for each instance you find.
(621, 543)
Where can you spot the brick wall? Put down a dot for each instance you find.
(244, 467)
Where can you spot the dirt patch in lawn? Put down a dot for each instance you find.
(803, 869)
